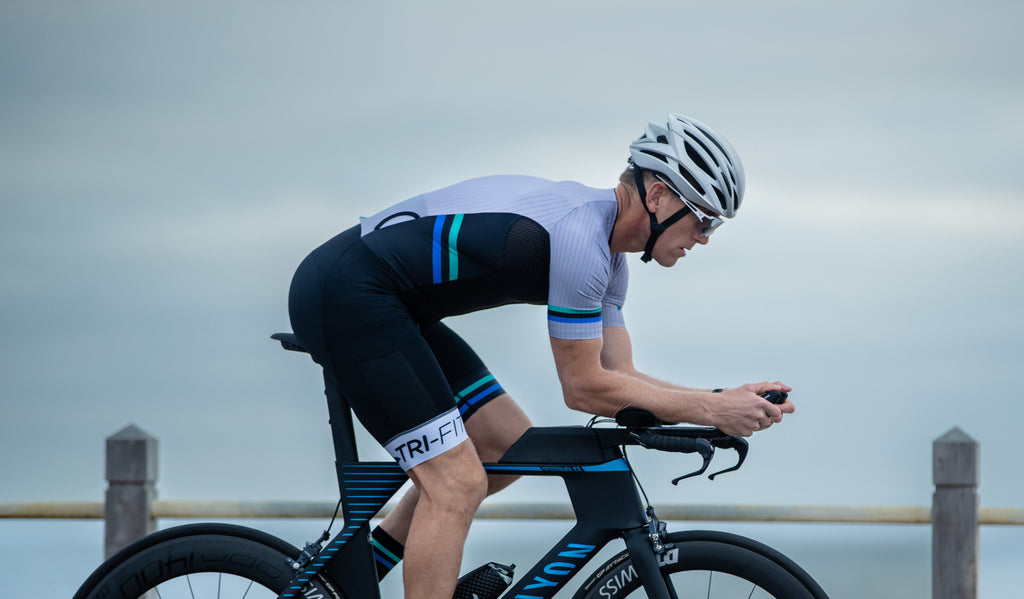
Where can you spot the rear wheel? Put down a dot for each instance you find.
(708, 565)
(198, 561)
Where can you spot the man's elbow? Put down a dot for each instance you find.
(584, 395)
(575, 400)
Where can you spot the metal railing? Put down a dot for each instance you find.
(821, 514)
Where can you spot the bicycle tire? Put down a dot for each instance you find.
(220, 556)
(745, 568)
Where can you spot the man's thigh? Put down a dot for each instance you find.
(496, 426)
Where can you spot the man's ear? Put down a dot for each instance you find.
(657, 192)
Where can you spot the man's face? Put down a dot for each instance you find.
(681, 236)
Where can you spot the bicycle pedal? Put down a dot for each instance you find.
(486, 582)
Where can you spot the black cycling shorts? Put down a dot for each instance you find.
(410, 384)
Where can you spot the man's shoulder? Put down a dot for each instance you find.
(527, 184)
(530, 181)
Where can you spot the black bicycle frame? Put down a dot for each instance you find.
(601, 490)
(603, 495)
(597, 477)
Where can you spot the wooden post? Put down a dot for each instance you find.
(956, 472)
(131, 491)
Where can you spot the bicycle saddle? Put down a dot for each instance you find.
(289, 341)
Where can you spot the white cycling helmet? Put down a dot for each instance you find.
(699, 164)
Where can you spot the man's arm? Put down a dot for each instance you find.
(600, 381)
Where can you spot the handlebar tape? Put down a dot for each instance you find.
(673, 444)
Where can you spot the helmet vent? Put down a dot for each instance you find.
(658, 156)
(721, 197)
(698, 160)
(704, 147)
(691, 180)
(662, 139)
(714, 141)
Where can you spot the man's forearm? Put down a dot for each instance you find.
(606, 393)
(661, 384)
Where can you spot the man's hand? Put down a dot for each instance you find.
(742, 411)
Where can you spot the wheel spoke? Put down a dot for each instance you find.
(210, 585)
(671, 587)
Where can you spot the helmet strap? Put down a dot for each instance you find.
(656, 228)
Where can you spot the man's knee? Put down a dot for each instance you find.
(455, 478)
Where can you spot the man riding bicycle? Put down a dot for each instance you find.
(368, 305)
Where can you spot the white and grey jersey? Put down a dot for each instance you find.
(506, 239)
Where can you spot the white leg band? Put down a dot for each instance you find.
(429, 440)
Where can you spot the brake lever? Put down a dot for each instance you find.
(706, 451)
(740, 445)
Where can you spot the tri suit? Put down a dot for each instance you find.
(368, 303)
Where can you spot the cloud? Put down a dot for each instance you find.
(164, 167)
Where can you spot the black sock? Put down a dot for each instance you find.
(387, 552)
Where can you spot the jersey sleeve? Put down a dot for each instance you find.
(581, 270)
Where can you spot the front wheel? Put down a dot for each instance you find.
(708, 564)
(197, 561)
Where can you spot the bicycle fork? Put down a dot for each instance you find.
(645, 552)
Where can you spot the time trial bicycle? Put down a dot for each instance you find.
(224, 561)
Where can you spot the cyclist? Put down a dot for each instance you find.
(368, 305)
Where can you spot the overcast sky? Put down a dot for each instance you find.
(165, 166)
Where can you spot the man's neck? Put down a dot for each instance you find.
(632, 226)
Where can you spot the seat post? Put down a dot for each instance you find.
(340, 415)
